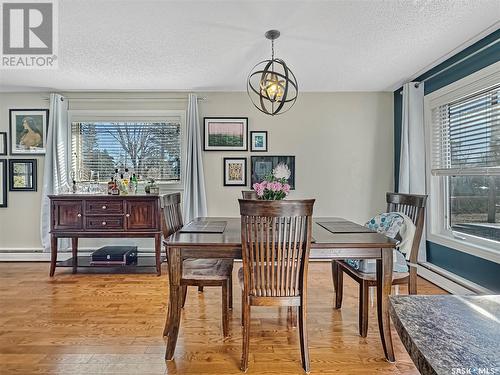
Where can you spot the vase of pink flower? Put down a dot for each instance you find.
(275, 185)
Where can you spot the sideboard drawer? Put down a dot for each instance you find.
(104, 222)
(104, 207)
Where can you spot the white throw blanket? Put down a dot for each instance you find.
(407, 233)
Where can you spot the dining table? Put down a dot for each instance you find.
(333, 238)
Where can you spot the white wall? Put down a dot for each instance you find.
(343, 144)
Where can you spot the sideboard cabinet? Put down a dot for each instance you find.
(103, 216)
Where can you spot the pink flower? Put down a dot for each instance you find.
(286, 188)
(259, 189)
(271, 186)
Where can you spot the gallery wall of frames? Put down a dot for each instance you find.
(231, 134)
(27, 137)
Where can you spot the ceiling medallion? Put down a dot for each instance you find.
(271, 85)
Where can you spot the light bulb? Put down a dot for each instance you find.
(272, 87)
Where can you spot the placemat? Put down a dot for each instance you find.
(344, 227)
(208, 226)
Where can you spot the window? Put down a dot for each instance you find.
(148, 149)
(466, 160)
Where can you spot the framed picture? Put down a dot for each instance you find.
(28, 131)
(263, 165)
(22, 174)
(225, 134)
(3, 183)
(3, 143)
(235, 171)
(258, 141)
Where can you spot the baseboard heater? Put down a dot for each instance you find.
(451, 279)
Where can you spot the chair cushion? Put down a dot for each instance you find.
(387, 223)
(207, 269)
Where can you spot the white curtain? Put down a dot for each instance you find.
(56, 166)
(195, 200)
(412, 162)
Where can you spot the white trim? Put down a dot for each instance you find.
(39, 256)
(436, 219)
(449, 281)
(461, 244)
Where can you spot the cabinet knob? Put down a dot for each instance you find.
(103, 223)
(79, 215)
(127, 215)
(104, 207)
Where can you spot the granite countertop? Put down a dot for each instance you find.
(448, 334)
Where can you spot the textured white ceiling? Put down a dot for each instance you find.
(212, 45)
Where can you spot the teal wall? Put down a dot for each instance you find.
(476, 269)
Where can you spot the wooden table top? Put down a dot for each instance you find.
(322, 238)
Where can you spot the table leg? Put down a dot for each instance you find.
(175, 300)
(74, 251)
(158, 253)
(384, 283)
(53, 254)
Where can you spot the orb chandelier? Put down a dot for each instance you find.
(271, 85)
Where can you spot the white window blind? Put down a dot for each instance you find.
(466, 135)
(148, 149)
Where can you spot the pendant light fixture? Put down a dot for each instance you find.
(271, 85)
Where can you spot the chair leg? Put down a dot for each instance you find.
(338, 283)
(184, 294)
(412, 281)
(363, 308)
(246, 334)
(230, 293)
(225, 311)
(242, 308)
(304, 348)
(200, 289)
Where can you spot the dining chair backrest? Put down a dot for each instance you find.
(249, 194)
(276, 240)
(412, 206)
(172, 216)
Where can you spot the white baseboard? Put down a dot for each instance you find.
(37, 255)
(449, 281)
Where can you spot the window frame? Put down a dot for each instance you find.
(135, 115)
(438, 227)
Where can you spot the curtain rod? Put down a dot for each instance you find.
(456, 62)
(127, 99)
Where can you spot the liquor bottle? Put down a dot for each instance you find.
(123, 184)
(125, 179)
(111, 185)
(74, 188)
(116, 176)
(134, 183)
(126, 175)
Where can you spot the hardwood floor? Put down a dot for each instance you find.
(112, 324)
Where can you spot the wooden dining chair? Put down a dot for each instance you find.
(291, 316)
(249, 194)
(414, 207)
(276, 240)
(198, 272)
